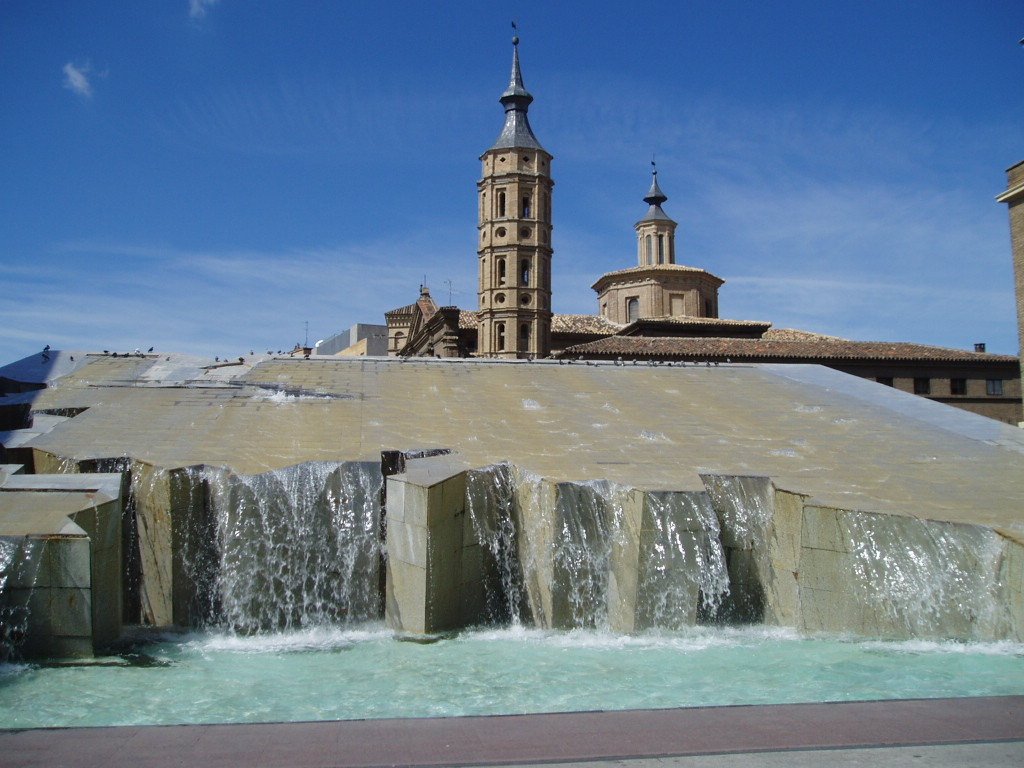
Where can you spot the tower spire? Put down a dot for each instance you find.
(516, 100)
(655, 197)
(656, 232)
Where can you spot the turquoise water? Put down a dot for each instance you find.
(368, 673)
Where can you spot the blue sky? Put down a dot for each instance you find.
(206, 177)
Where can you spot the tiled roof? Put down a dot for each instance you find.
(684, 320)
(823, 349)
(657, 268)
(795, 334)
(406, 310)
(583, 324)
(589, 324)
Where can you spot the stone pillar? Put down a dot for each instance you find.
(434, 572)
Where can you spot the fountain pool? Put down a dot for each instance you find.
(368, 672)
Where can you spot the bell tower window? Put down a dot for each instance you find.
(501, 203)
(501, 271)
(649, 250)
(661, 249)
(524, 272)
(524, 337)
(500, 333)
(527, 208)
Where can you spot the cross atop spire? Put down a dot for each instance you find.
(516, 100)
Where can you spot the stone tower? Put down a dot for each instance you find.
(1014, 199)
(655, 232)
(515, 235)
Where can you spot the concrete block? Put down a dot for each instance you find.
(821, 529)
(407, 543)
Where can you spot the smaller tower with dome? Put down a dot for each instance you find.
(657, 287)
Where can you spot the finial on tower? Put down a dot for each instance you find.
(655, 196)
(516, 100)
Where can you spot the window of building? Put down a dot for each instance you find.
(661, 249)
(994, 387)
(958, 386)
(648, 247)
(922, 386)
(709, 308)
(501, 203)
(524, 336)
(524, 272)
(527, 208)
(499, 331)
(887, 380)
(632, 309)
(604, 309)
(501, 271)
(677, 304)
(547, 206)
(500, 232)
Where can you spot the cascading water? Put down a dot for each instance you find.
(589, 520)
(490, 501)
(555, 552)
(683, 573)
(925, 579)
(19, 563)
(293, 548)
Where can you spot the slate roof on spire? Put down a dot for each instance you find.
(654, 198)
(516, 100)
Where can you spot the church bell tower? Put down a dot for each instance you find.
(515, 235)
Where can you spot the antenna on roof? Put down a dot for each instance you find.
(449, 284)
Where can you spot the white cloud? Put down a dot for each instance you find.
(76, 78)
(197, 9)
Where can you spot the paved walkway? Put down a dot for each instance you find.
(984, 731)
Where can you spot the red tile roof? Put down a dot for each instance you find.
(812, 350)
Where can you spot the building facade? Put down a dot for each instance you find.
(659, 310)
(1014, 199)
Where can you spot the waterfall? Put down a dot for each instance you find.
(292, 548)
(490, 502)
(589, 520)
(922, 578)
(683, 571)
(564, 555)
(20, 558)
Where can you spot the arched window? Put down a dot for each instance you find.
(527, 207)
(632, 309)
(649, 250)
(501, 271)
(501, 203)
(661, 249)
(524, 272)
(524, 337)
(399, 341)
(500, 336)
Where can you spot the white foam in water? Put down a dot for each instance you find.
(366, 672)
